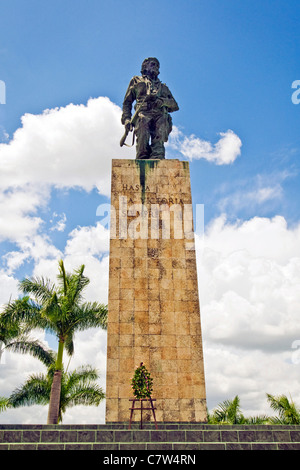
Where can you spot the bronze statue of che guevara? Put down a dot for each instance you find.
(151, 121)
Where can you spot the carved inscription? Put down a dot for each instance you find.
(136, 188)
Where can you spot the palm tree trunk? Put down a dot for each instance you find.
(54, 403)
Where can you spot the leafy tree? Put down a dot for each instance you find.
(15, 337)
(288, 412)
(263, 419)
(229, 412)
(77, 388)
(59, 310)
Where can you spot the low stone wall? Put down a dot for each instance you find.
(168, 437)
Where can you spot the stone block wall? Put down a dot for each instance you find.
(154, 314)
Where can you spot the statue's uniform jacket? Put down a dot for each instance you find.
(153, 117)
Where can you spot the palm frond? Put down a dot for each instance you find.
(35, 391)
(25, 345)
(22, 310)
(62, 277)
(72, 284)
(287, 410)
(77, 388)
(4, 404)
(89, 395)
(262, 419)
(52, 309)
(276, 420)
(228, 412)
(42, 289)
(9, 330)
(81, 375)
(77, 283)
(90, 315)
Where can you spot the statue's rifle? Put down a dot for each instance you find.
(131, 124)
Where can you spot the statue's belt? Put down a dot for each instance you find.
(148, 106)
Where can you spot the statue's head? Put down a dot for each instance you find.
(150, 66)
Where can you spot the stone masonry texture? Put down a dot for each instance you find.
(153, 304)
(177, 437)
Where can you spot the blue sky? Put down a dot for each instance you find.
(230, 65)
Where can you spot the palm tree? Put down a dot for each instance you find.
(14, 337)
(77, 388)
(262, 419)
(61, 311)
(229, 412)
(288, 412)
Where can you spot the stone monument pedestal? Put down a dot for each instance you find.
(153, 306)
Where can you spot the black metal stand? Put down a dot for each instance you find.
(132, 409)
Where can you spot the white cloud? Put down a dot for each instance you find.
(264, 194)
(14, 371)
(13, 260)
(249, 277)
(35, 248)
(8, 288)
(84, 245)
(253, 194)
(60, 224)
(4, 136)
(250, 200)
(65, 147)
(223, 152)
(263, 237)
(18, 211)
(92, 240)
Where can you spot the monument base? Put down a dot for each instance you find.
(153, 306)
